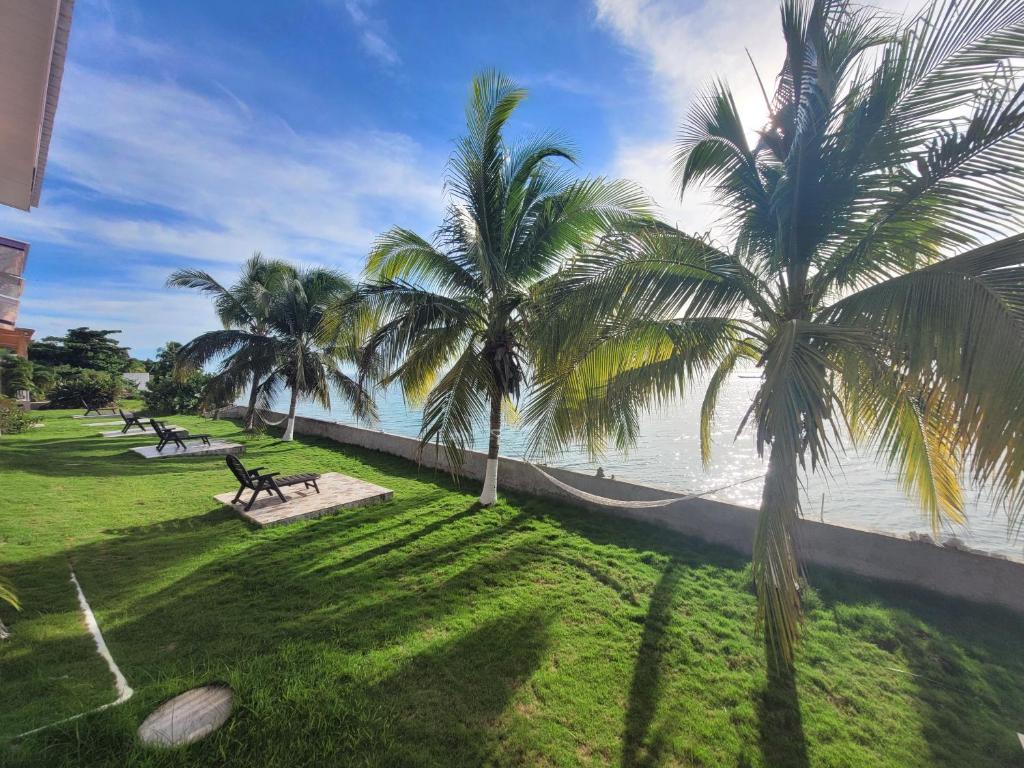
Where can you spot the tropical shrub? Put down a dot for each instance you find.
(94, 387)
(170, 390)
(13, 419)
(15, 374)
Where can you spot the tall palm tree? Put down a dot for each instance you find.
(862, 278)
(244, 311)
(315, 328)
(456, 312)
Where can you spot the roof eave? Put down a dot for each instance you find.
(60, 48)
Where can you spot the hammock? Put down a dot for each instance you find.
(604, 501)
(269, 423)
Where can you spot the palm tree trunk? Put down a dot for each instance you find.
(775, 567)
(289, 430)
(490, 492)
(250, 413)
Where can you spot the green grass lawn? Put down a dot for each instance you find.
(427, 631)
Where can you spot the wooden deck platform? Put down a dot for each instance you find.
(135, 432)
(193, 448)
(95, 416)
(337, 492)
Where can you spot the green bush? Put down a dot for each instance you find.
(14, 420)
(170, 390)
(97, 388)
(15, 374)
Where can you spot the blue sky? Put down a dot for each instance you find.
(192, 133)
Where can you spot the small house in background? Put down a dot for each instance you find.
(13, 254)
(139, 379)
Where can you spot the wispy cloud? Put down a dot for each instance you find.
(372, 32)
(147, 174)
(147, 317)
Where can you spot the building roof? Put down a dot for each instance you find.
(33, 45)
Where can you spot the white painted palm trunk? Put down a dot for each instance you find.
(289, 429)
(489, 495)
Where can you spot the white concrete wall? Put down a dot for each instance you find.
(950, 572)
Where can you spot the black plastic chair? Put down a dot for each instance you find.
(97, 410)
(271, 482)
(130, 420)
(176, 436)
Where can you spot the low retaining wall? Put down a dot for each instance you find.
(951, 572)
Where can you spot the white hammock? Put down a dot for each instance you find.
(262, 418)
(604, 501)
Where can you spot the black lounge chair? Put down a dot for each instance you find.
(176, 436)
(97, 410)
(131, 420)
(271, 482)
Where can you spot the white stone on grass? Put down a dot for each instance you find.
(188, 717)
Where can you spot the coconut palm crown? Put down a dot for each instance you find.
(456, 311)
(864, 278)
(295, 330)
(244, 311)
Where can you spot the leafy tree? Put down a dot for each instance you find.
(457, 312)
(171, 390)
(244, 311)
(82, 348)
(856, 280)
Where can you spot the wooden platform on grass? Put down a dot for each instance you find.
(96, 416)
(337, 492)
(193, 448)
(136, 432)
(93, 424)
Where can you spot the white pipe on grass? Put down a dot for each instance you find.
(124, 691)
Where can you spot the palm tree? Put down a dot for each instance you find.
(456, 311)
(862, 278)
(315, 326)
(243, 310)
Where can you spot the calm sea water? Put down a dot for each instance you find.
(860, 493)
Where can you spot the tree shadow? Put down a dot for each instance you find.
(965, 672)
(780, 724)
(640, 749)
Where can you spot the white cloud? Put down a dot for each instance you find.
(372, 32)
(227, 182)
(685, 46)
(147, 317)
(146, 174)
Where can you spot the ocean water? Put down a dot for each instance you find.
(857, 492)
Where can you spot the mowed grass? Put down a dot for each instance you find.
(430, 632)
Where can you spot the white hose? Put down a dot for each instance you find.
(124, 691)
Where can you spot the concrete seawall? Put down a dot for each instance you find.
(951, 572)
